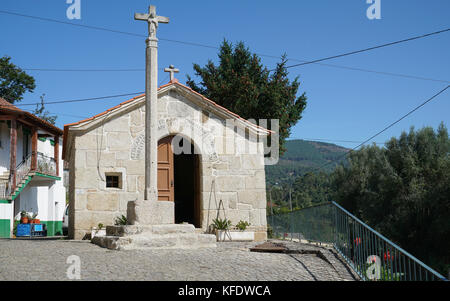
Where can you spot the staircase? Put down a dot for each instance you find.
(144, 237)
(21, 185)
(24, 174)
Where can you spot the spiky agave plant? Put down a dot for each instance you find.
(221, 224)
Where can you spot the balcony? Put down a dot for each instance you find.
(39, 164)
(4, 189)
(46, 165)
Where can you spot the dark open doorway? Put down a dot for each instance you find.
(186, 176)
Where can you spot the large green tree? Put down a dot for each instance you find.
(403, 190)
(14, 82)
(243, 85)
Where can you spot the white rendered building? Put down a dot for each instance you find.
(31, 170)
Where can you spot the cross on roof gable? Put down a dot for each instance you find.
(208, 104)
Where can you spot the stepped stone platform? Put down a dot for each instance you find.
(141, 237)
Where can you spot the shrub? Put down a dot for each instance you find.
(242, 225)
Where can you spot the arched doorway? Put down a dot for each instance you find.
(179, 178)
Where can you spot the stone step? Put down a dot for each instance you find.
(199, 231)
(146, 241)
(128, 230)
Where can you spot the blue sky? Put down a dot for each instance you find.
(342, 104)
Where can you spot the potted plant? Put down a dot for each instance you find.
(242, 225)
(224, 232)
(120, 220)
(241, 234)
(32, 219)
(221, 228)
(99, 231)
(23, 217)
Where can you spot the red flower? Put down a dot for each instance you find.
(388, 256)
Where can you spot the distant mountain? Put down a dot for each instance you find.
(302, 156)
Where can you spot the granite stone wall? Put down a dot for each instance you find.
(231, 165)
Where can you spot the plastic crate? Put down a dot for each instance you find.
(23, 230)
(38, 230)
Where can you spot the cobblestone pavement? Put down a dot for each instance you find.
(46, 260)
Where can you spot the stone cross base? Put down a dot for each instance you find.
(149, 237)
(146, 212)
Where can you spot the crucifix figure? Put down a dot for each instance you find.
(172, 70)
(152, 19)
(151, 98)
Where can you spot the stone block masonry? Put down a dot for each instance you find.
(115, 145)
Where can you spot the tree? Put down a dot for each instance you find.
(13, 81)
(42, 113)
(244, 86)
(311, 188)
(403, 191)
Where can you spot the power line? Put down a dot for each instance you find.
(60, 114)
(384, 73)
(368, 49)
(303, 62)
(291, 59)
(104, 29)
(330, 140)
(385, 129)
(82, 70)
(164, 79)
(80, 100)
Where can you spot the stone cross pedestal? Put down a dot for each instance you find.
(150, 211)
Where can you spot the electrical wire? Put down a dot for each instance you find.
(368, 49)
(385, 129)
(303, 62)
(79, 100)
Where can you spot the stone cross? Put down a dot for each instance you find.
(171, 70)
(152, 19)
(151, 99)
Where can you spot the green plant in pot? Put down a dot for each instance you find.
(23, 217)
(242, 225)
(99, 228)
(120, 220)
(221, 224)
(32, 219)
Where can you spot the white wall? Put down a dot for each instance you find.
(4, 147)
(43, 199)
(6, 212)
(46, 147)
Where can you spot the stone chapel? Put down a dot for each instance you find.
(207, 156)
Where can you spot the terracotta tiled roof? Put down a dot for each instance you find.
(173, 82)
(8, 108)
(6, 105)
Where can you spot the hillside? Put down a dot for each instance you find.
(302, 156)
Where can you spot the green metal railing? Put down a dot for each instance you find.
(371, 255)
